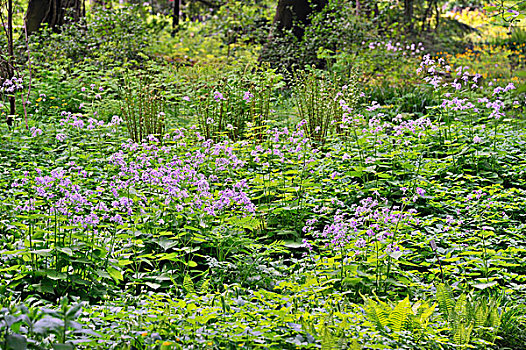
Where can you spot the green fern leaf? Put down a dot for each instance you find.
(328, 341)
(462, 308)
(204, 287)
(445, 300)
(494, 319)
(398, 317)
(378, 312)
(188, 284)
(467, 333)
(481, 313)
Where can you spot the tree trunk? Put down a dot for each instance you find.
(175, 16)
(54, 13)
(408, 13)
(290, 15)
(10, 60)
(294, 14)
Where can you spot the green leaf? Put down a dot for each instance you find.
(521, 89)
(152, 285)
(54, 275)
(114, 273)
(42, 252)
(65, 250)
(292, 244)
(483, 286)
(351, 281)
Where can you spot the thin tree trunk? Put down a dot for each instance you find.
(10, 60)
(175, 16)
(408, 13)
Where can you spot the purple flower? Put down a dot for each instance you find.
(374, 106)
(61, 137)
(307, 245)
(248, 95)
(420, 191)
(116, 120)
(35, 131)
(218, 96)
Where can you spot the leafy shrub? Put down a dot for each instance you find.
(105, 37)
(335, 28)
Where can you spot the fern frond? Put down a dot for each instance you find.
(398, 317)
(481, 313)
(204, 286)
(461, 307)
(328, 340)
(188, 284)
(445, 300)
(494, 319)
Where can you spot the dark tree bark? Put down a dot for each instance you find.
(408, 13)
(291, 15)
(294, 14)
(175, 16)
(54, 13)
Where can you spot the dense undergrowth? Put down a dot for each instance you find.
(177, 195)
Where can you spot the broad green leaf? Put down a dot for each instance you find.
(114, 273)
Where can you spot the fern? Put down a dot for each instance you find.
(378, 313)
(467, 316)
(204, 286)
(445, 300)
(463, 334)
(399, 316)
(188, 284)
(463, 309)
(481, 313)
(397, 319)
(494, 319)
(328, 341)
